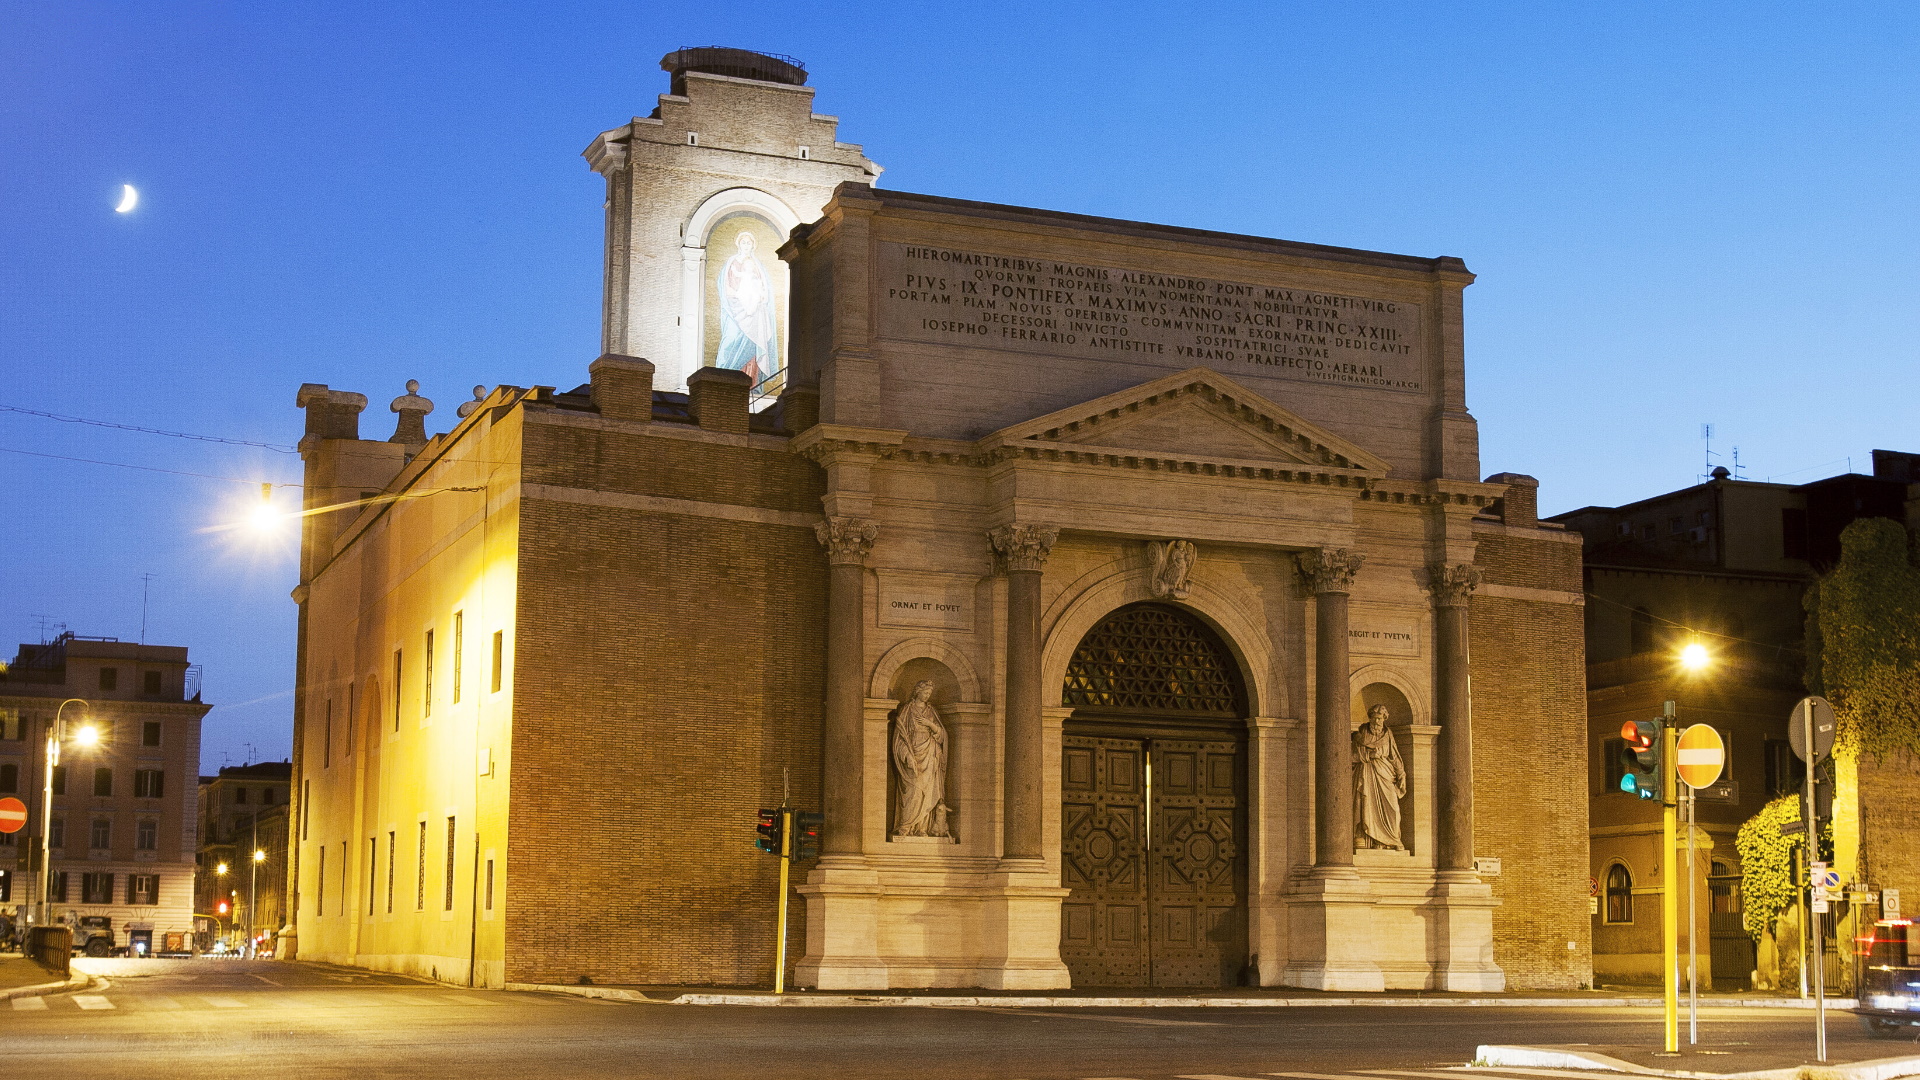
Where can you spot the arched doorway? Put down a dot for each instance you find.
(1153, 792)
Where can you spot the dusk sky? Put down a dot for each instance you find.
(1679, 214)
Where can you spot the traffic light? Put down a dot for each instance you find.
(221, 908)
(1640, 758)
(806, 835)
(772, 825)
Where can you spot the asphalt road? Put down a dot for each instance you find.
(219, 1018)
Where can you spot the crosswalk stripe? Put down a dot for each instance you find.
(92, 1001)
(223, 1002)
(1462, 1072)
(1212, 1076)
(25, 1003)
(1316, 1076)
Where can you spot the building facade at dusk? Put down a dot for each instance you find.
(1128, 598)
(123, 825)
(1725, 564)
(243, 809)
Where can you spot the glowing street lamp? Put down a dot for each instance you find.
(85, 735)
(1695, 656)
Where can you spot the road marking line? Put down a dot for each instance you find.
(264, 979)
(223, 1002)
(1457, 1072)
(92, 1001)
(1211, 1076)
(1316, 1076)
(26, 1003)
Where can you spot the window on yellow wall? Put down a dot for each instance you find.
(420, 873)
(397, 658)
(326, 738)
(499, 648)
(426, 688)
(459, 649)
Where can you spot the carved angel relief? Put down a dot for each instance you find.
(1172, 562)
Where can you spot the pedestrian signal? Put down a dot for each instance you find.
(1640, 758)
(806, 835)
(772, 826)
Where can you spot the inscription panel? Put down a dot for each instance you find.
(911, 599)
(1384, 635)
(948, 296)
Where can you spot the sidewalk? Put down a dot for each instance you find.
(1247, 998)
(1714, 1061)
(21, 977)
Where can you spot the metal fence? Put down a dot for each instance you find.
(51, 947)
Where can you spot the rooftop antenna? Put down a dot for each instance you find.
(45, 622)
(1706, 433)
(146, 582)
(1736, 464)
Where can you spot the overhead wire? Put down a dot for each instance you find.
(280, 448)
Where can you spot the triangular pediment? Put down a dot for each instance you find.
(1198, 415)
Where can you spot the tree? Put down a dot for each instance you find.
(1863, 639)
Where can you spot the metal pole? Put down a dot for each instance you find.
(1815, 946)
(1693, 933)
(1669, 896)
(46, 824)
(253, 883)
(786, 861)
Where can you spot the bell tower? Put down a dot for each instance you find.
(701, 193)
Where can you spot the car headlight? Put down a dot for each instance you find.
(1891, 1001)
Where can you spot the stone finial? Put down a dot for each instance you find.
(1329, 570)
(1452, 585)
(413, 410)
(466, 407)
(331, 414)
(1172, 562)
(847, 539)
(1022, 547)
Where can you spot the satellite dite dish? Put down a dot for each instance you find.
(129, 198)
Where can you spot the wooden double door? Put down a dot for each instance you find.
(1152, 847)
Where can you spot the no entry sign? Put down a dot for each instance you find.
(1702, 755)
(13, 815)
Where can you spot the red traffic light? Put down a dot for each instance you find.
(221, 907)
(1636, 735)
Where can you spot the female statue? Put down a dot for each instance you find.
(920, 760)
(1379, 783)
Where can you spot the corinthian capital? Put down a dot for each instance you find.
(1329, 570)
(847, 539)
(1022, 547)
(1452, 585)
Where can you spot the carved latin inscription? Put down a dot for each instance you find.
(1032, 304)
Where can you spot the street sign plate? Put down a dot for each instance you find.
(1829, 879)
(13, 815)
(1823, 727)
(1702, 755)
(1889, 903)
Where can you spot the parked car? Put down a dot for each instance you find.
(1890, 985)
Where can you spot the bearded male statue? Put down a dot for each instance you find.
(1379, 783)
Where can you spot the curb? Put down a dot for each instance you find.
(1540, 1057)
(961, 1001)
(78, 981)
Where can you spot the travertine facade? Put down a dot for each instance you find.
(1158, 513)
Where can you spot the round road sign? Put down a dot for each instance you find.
(1823, 727)
(13, 815)
(1702, 755)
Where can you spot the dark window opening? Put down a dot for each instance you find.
(109, 678)
(101, 838)
(1619, 895)
(149, 783)
(96, 888)
(103, 782)
(9, 777)
(150, 733)
(147, 835)
(152, 681)
(1151, 658)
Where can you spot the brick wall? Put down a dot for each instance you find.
(1530, 761)
(668, 667)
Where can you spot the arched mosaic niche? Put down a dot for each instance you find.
(745, 308)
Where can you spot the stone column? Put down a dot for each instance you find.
(1328, 574)
(1452, 586)
(847, 540)
(1021, 551)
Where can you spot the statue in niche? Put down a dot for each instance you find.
(749, 334)
(920, 761)
(1172, 562)
(1379, 783)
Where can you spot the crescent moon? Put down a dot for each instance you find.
(129, 198)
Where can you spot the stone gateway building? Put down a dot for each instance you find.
(1127, 598)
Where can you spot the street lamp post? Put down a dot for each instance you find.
(253, 889)
(87, 735)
